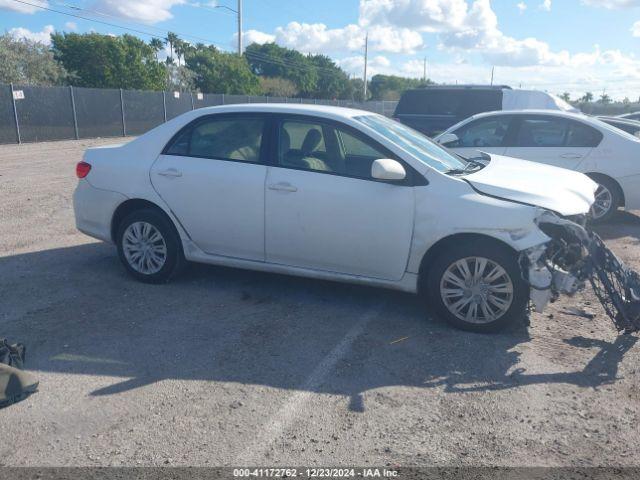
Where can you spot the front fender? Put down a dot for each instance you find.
(440, 215)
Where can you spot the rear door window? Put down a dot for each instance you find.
(547, 131)
(581, 135)
(225, 138)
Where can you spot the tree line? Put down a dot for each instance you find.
(107, 61)
(602, 105)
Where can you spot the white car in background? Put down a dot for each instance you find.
(335, 194)
(610, 156)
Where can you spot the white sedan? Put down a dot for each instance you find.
(329, 193)
(610, 156)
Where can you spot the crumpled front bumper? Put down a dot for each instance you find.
(574, 256)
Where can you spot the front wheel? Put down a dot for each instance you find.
(606, 202)
(477, 286)
(149, 247)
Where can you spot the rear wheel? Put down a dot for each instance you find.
(477, 286)
(607, 200)
(149, 247)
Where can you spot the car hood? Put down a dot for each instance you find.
(563, 191)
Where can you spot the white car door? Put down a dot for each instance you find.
(212, 177)
(325, 212)
(553, 140)
(486, 134)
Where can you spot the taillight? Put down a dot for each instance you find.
(82, 169)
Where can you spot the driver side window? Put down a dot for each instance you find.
(323, 147)
(302, 145)
(485, 132)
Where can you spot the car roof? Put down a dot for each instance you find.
(326, 111)
(555, 113)
(428, 88)
(625, 121)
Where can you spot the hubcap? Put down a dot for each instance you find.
(144, 248)
(476, 290)
(603, 202)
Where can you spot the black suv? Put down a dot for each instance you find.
(431, 110)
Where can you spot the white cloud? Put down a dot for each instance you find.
(578, 80)
(377, 65)
(255, 36)
(466, 30)
(521, 7)
(318, 38)
(71, 26)
(635, 29)
(546, 5)
(24, 33)
(464, 27)
(422, 15)
(147, 11)
(612, 4)
(23, 7)
(388, 39)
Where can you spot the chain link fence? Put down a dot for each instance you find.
(39, 114)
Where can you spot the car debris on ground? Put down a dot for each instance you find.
(574, 256)
(15, 385)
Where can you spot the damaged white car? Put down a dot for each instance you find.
(342, 195)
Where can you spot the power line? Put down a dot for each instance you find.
(103, 14)
(84, 18)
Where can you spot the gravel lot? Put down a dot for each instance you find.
(227, 367)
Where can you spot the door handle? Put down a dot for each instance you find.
(283, 187)
(170, 172)
(571, 155)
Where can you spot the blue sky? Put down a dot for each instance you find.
(554, 45)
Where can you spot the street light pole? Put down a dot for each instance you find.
(238, 12)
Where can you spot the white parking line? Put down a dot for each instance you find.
(278, 423)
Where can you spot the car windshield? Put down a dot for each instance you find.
(415, 143)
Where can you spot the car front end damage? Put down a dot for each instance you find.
(573, 257)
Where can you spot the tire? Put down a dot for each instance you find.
(607, 200)
(149, 231)
(507, 304)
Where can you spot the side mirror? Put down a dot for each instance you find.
(448, 139)
(388, 169)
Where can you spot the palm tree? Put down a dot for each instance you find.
(604, 99)
(172, 40)
(181, 48)
(156, 44)
(566, 96)
(587, 97)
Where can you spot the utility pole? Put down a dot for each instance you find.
(366, 54)
(238, 12)
(424, 71)
(240, 28)
(492, 72)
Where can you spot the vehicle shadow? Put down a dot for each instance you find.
(78, 312)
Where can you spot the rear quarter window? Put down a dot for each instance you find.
(581, 135)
